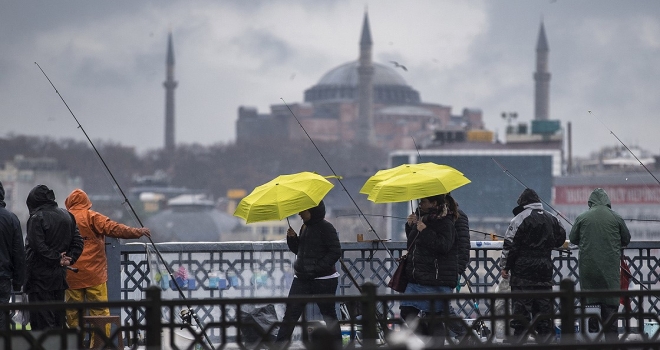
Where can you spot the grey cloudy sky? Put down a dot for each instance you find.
(107, 59)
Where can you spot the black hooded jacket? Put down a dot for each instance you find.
(50, 231)
(317, 246)
(528, 243)
(12, 252)
(432, 258)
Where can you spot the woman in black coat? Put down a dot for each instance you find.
(432, 264)
(318, 250)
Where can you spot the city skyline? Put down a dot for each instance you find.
(109, 63)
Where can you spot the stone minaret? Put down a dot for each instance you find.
(542, 78)
(169, 84)
(365, 127)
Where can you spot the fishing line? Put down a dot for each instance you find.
(624, 145)
(506, 171)
(371, 228)
(126, 201)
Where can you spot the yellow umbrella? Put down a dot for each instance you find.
(283, 196)
(386, 174)
(417, 184)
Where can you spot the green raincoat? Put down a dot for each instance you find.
(600, 233)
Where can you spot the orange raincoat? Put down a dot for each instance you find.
(93, 226)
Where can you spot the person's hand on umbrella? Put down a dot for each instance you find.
(290, 232)
(412, 219)
(421, 226)
(505, 274)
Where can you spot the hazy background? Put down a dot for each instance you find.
(108, 61)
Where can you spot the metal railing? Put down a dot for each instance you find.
(154, 323)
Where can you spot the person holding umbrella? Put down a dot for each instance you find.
(317, 251)
(432, 263)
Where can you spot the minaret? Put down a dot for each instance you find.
(169, 84)
(365, 127)
(542, 78)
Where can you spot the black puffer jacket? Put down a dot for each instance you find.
(12, 252)
(462, 226)
(317, 247)
(431, 259)
(50, 231)
(528, 243)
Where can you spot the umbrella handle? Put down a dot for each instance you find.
(287, 221)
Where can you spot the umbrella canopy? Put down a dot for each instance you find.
(283, 196)
(417, 184)
(386, 174)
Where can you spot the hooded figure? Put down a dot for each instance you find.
(527, 258)
(89, 284)
(600, 234)
(12, 255)
(318, 250)
(52, 242)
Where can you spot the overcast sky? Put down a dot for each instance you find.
(107, 59)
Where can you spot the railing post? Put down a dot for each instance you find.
(567, 307)
(152, 318)
(369, 327)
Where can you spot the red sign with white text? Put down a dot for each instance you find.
(619, 194)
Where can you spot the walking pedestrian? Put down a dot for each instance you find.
(90, 283)
(600, 233)
(431, 262)
(52, 243)
(527, 260)
(317, 251)
(12, 256)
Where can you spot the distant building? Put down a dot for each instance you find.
(361, 102)
(20, 175)
(192, 218)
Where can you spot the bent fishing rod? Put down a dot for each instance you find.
(371, 228)
(169, 271)
(624, 145)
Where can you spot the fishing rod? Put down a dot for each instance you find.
(647, 170)
(169, 271)
(624, 145)
(376, 215)
(643, 220)
(506, 171)
(371, 228)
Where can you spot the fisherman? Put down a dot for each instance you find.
(12, 256)
(527, 260)
(90, 283)
(600, 233)
(53, 242)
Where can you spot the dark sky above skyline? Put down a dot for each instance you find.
(107, 59)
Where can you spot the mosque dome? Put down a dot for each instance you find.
(341, 83)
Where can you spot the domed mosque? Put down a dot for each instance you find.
(360, 101)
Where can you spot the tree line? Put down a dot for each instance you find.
(212, 169)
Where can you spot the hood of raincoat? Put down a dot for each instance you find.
(78, 199)
(317, 214)
(40, 195)
(599, 197)
(528, 196)
(2, 196)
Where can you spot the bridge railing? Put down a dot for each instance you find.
(264, 269)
